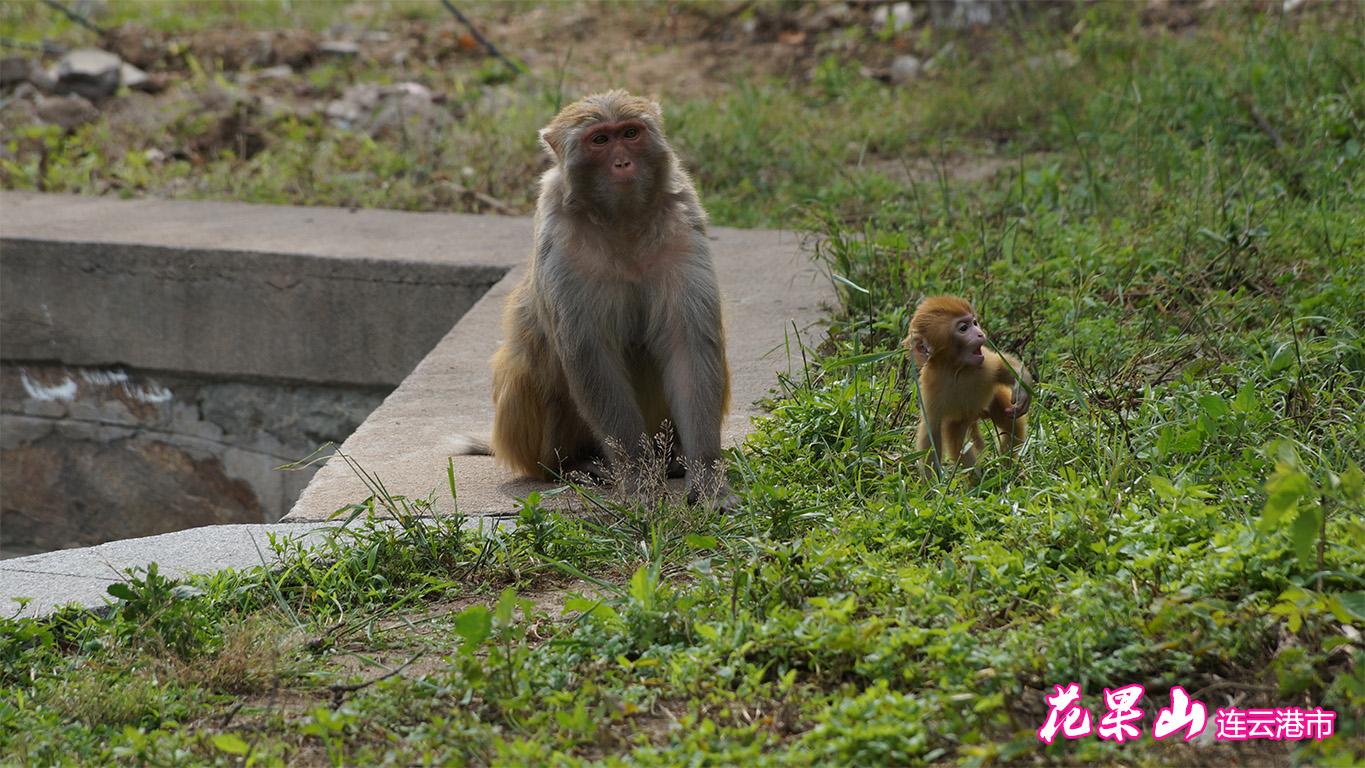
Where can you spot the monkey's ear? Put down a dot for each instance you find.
(920, 350)
(551, 141)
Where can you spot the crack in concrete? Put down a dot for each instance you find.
(139, 430)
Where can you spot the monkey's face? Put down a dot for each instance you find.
(616, 150)
(969, 339)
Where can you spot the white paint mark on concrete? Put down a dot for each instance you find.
(147, 392)
(63, 393)
(104, 378)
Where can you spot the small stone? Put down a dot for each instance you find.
(901, 16)
(340, 48)
(830, 17)
(66, 111)
(133, 77)
(89, 72)
(960, 14)
(14, 69)
(43, 78)
(278, 72)
(357, 102)
(1061, 59)
(376, 108)
(905, 68)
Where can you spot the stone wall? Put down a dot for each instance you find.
(147, 389)
(95, 454)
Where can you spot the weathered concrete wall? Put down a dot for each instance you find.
(89, 455)
(228, 313)
(238, 322)
(147, 388)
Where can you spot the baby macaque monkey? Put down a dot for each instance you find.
(616, 326)
(961, 383)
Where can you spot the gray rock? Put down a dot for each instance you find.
(43, 79)
(357, 102)
(377, 108)
(960, 14)
(89, 72)
(340, 48)
(829, 17)
(900, 15)
(14, 69)
(905, 68)
(1060, 59)
(67, 111)
(133, 77)
(277, 72)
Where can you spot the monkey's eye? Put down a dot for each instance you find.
(631, 133)
(600, 139)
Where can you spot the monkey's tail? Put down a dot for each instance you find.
(464, 445)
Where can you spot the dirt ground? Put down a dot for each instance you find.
(682, 50)
(664, 50)
(219, 88)
(679, 49)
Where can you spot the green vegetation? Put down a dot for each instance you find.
(1175, 244)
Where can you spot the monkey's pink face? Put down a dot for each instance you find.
(617, 148)
(970, 338)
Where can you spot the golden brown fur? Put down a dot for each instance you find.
(961, 383)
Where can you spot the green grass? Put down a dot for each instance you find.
(1175, 246)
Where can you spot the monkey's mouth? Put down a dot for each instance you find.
(977, 356)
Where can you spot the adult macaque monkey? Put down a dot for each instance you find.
(961, 383)
(617, 323)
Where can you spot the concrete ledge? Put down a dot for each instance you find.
(390, 236)
(230, 313)
(307, 294)
(82, 576)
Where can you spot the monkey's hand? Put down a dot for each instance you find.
(1021, 401)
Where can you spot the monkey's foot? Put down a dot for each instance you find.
(586, 471)
(676, 468)
(731, 504)
(718, 497)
